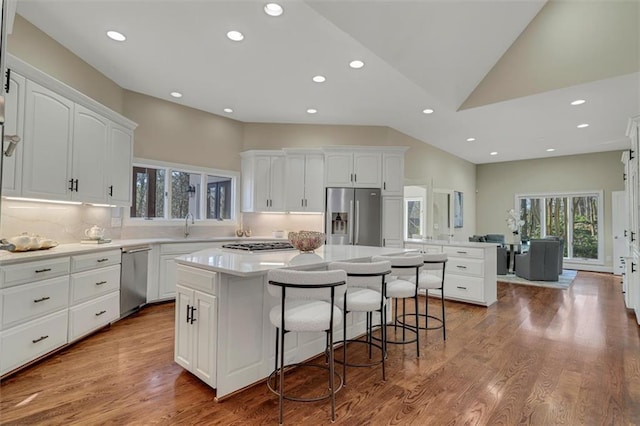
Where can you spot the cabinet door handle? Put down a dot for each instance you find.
(193, 318)
(301, 202)
(188, 313)
(40, 339)
(461, 288)
(625, 232)
(101, 282)
(355, 177)
(7, 84)
(633, 267)
(76, 185)
(110, 190)
(384, 186)
(461, 252)
(104, 259)
(633, 236)
(461, 267)
(71, 185)
(100, 313)
(42, 299)
(42, 270)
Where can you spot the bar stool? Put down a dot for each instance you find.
(404, 269)
(432, 278)
(307, 303)
(365, 293)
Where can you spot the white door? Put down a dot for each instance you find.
(313, 183)
(338, 169)
(204, 337)
(367, 170)
(392, 222)
(90, 137)
(295, 174)
(618, 226)
(276, 190)
(392, 174)
(14, 125)
(119, 166)
(184, 330)
(167, 284)
(261, 183)
(47, 144)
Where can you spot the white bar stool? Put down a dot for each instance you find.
(366, 292)
(402, 284)
(307, 303)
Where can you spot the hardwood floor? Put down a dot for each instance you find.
(539, 356)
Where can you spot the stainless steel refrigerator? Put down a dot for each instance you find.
(353, 216)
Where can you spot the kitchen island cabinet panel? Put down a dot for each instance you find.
(91, 284)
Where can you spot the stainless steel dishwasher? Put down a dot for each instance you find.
(133, 279)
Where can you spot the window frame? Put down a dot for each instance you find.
(407, 200)
(202, 213)
(599, 194)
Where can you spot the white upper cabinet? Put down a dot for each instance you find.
(263, 181)
(119, 172)
(89, 148)
(360, 169)
(393, 173)
(304, 190)
(392, 221)
(14, 125)
(48, 126)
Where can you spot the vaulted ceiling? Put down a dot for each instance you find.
(501, 72)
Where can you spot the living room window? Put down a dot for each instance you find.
(574, 217)
(164, 191)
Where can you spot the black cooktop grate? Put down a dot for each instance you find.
(276, 245)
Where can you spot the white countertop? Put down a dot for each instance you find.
(245, 264)
(68, 249)
(451, 243)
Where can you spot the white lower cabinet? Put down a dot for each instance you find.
(470, 273)
(392, 225)
(45, 304)
(196, 333)
(32, 340)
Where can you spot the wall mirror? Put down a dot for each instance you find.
(428, 212)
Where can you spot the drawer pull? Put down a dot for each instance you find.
(42, 299)
(461, 252)
(40, 339)
(100, 313)
(461, 267)
(461, 288)
(104, 259)
(101, 282)
(43, 270)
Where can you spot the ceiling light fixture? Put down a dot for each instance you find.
(115, 35)
(493, 153)
(550, 149)
(176, 94)
(356, 64)
(312, 111)
(578, 102)
(235, 35)
(228, 110)
(319, 79)
(273, 9)
(427, 111)
(582, 126)
(471, 139)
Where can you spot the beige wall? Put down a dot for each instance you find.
(498, 184)
(38, 49)
(175, 133)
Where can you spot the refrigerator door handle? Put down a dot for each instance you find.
(351, 222)
(357, 218)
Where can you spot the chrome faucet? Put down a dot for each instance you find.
(186, 224)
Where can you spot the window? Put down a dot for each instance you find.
(574, 217)
(166, 191)
(413, 211)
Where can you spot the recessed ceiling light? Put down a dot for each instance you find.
(427, 111)
(493, 153)
(578, 102)
(273, 9)
(356, 64)
(312, 111)
(176, 94)
(582, 126)
(319, 79)
(235, 35)
(550, 149)
(471, 139)
(229, 110)
(115, 35)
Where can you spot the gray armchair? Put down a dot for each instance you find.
(540, 263)
(560, 253)
(503, 260)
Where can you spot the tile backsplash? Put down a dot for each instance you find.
(66, 223)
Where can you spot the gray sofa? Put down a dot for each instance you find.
(540, 263)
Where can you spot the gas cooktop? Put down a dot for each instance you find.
(269, 246)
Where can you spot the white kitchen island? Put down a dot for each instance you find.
(223, 333)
